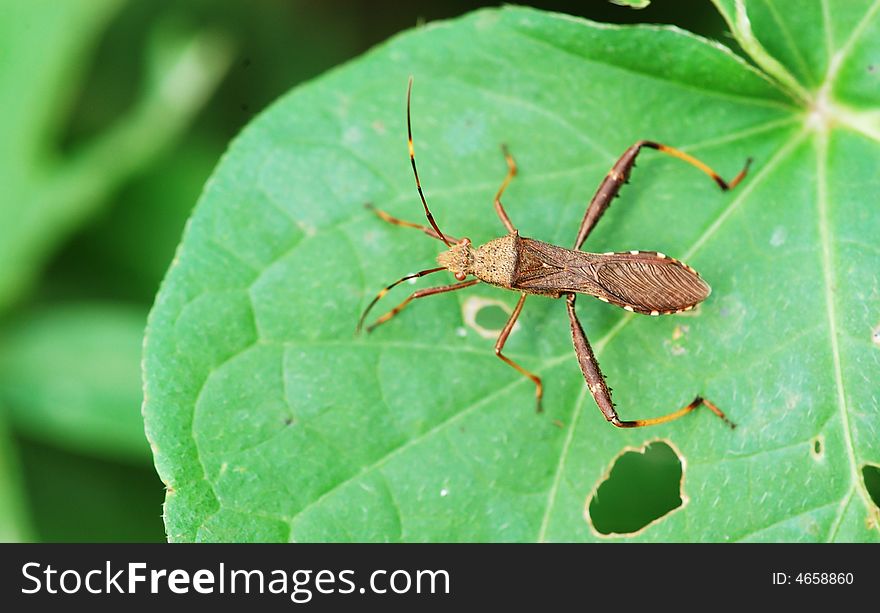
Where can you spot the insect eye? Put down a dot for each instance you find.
(460, 276)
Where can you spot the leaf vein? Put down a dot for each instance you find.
(830, 282)
(751, 100)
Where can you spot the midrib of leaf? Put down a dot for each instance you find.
(579, 170)
(738, 135)
(752, 100)
(856, 121)
(563, 455)
(780, 155)
(829, 280)
(786, 34)
(843, 505)
(836, 59)
(746, 190)
(741, 28)
(829, 35)
(865, 123)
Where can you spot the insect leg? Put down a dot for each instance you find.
(407, 224)
(599, 388)
(619, 174)
(422, 293)
(511, 173)
(499, 345)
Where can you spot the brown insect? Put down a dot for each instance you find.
(646, 282)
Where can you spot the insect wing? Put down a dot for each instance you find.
(649, 282)
(541, 268)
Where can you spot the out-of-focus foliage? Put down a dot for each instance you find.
(65, 375)
(48, 192)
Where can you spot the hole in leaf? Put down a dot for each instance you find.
(486, 317)
(642, 486)
(491, 317)
(817, 447)
(871, 475)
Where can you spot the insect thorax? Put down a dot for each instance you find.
(495, 262)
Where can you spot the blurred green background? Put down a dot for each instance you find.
(115, 114)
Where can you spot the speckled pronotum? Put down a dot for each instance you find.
(646, 282)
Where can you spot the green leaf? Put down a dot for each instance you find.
(633, 4)
(271, 421)
(69, 376)
(47, 194)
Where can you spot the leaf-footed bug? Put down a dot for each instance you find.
(646, 282)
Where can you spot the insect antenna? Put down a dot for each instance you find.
(412, 158)
(388, 288)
